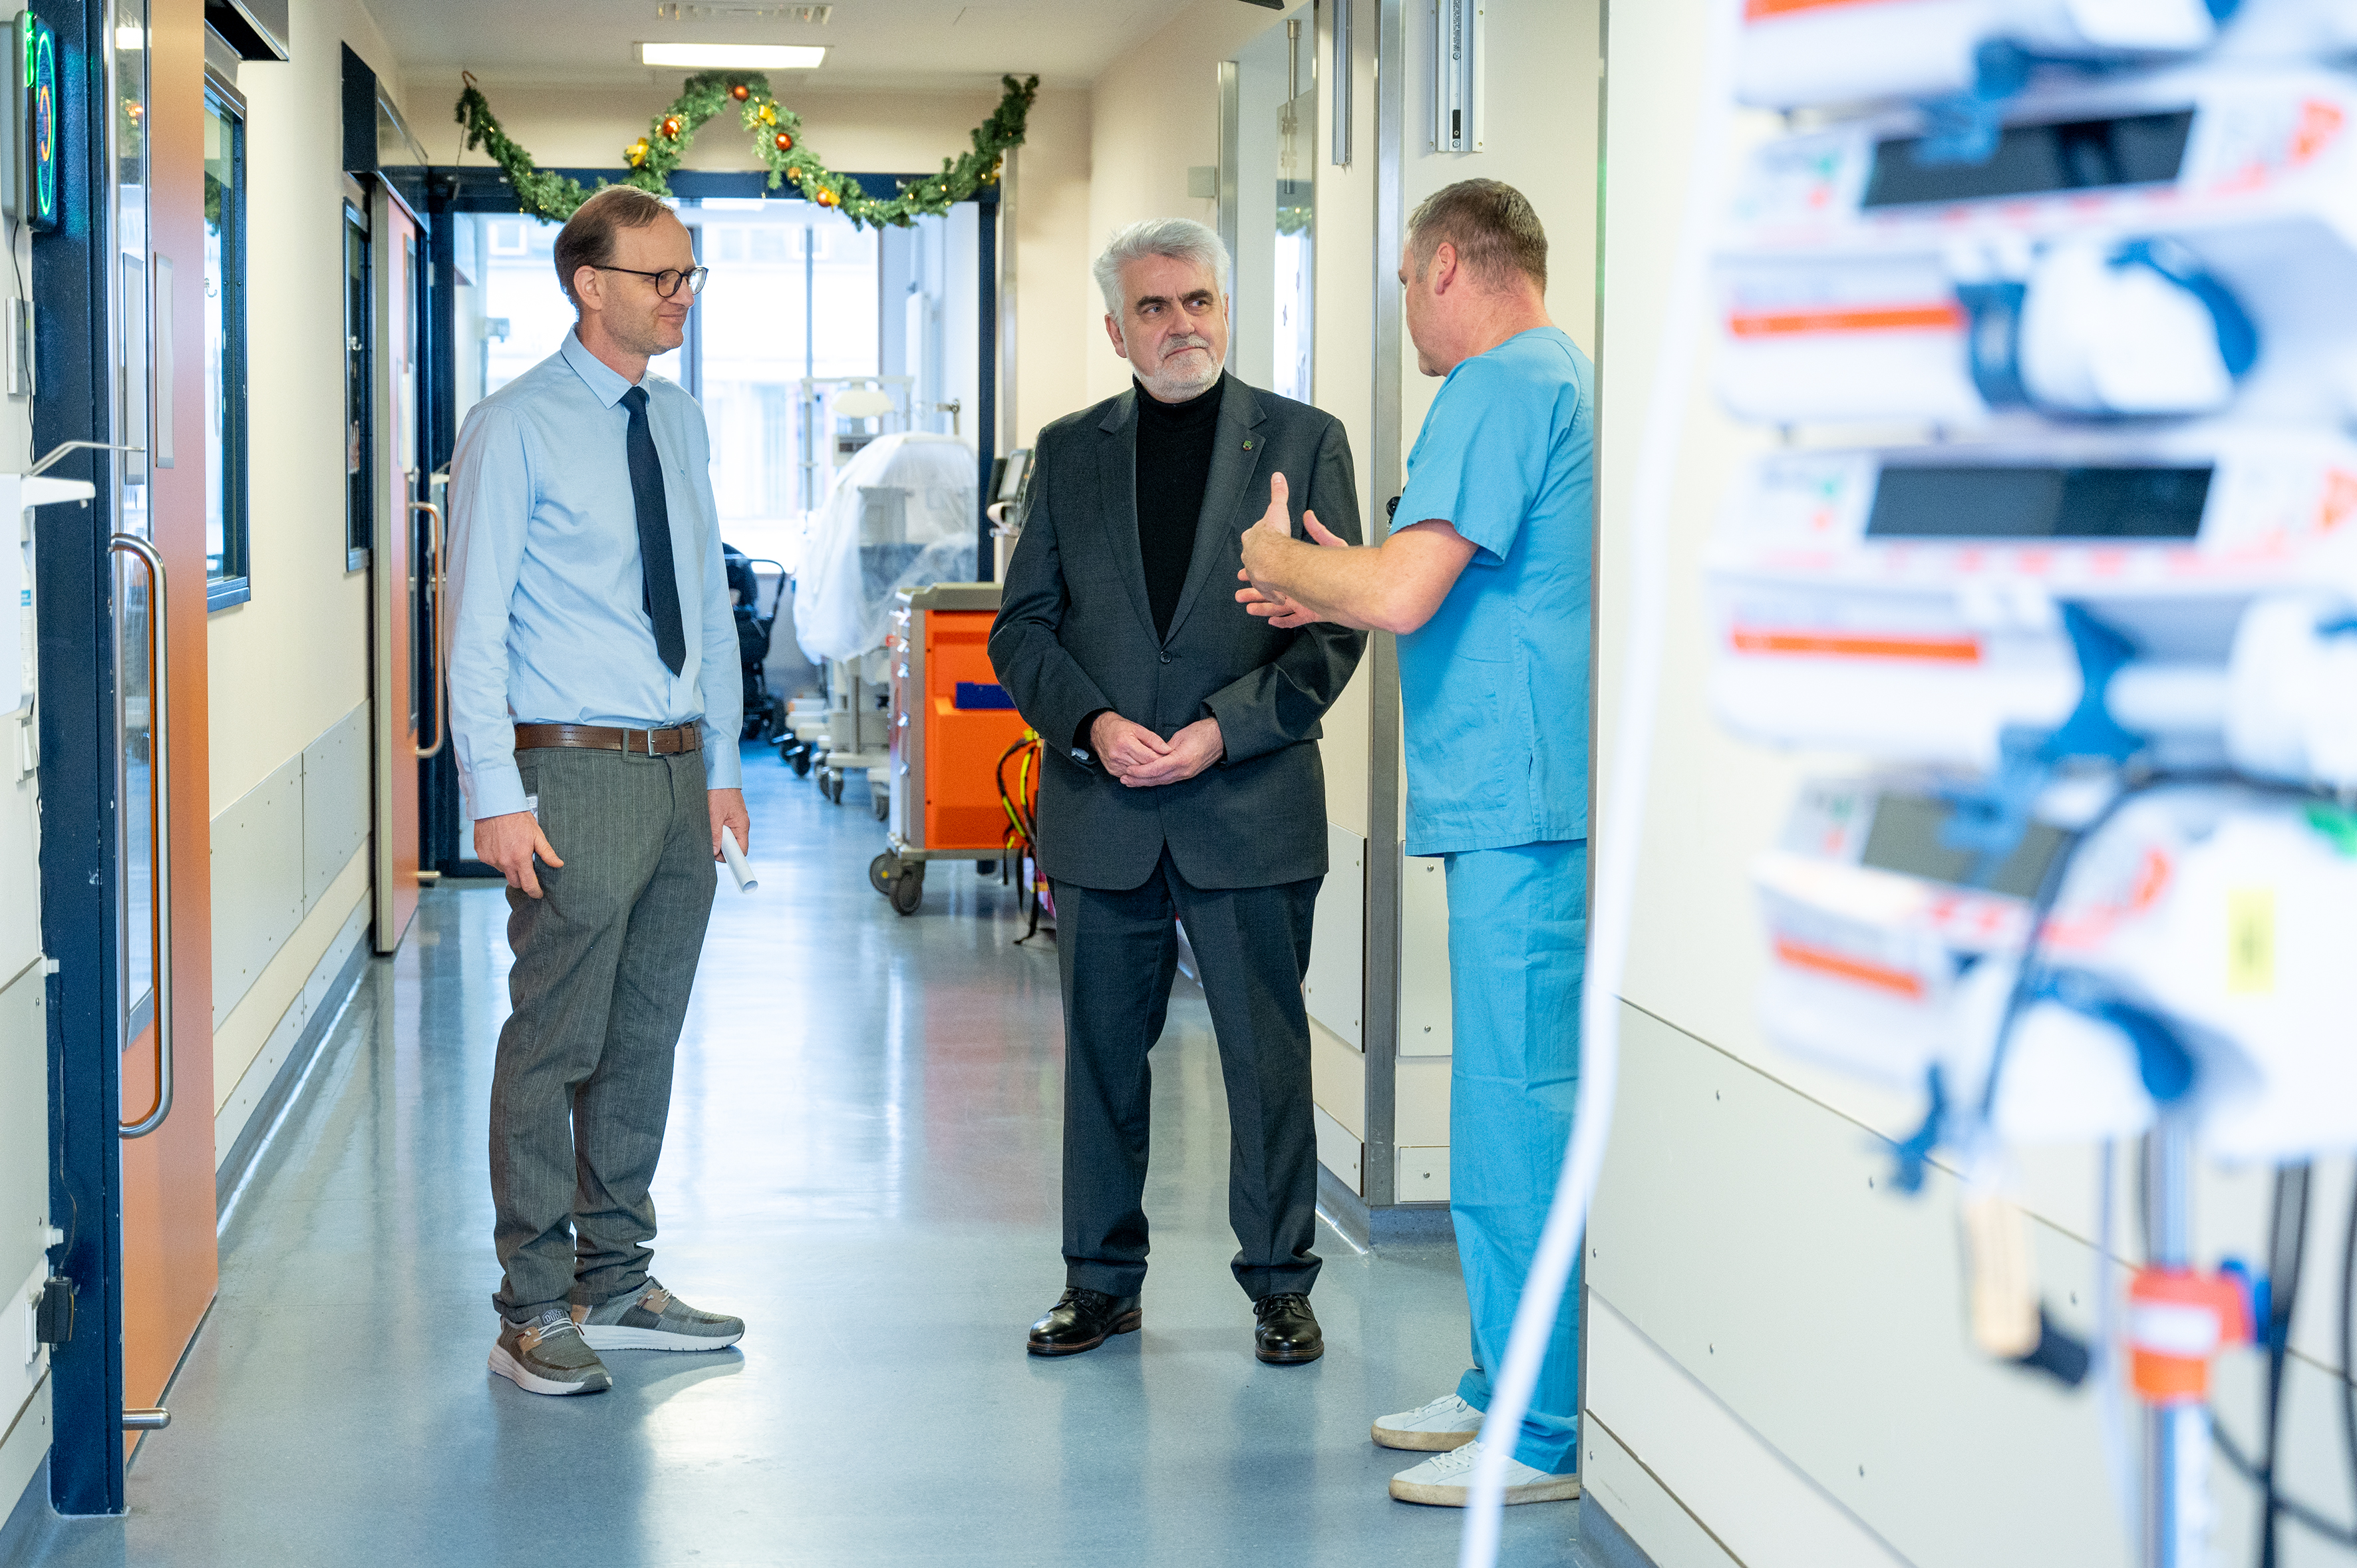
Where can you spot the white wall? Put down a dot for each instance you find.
(289, 668)
(293, 660)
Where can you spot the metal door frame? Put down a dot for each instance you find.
(74, 275)
(452, 190)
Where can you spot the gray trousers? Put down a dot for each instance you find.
(1119, 952)
(603, 963)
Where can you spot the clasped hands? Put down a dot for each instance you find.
(1142, 760)
(1263, 542)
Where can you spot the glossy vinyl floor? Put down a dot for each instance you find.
(862, 1161)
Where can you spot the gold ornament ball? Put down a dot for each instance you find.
(740, 93)
(795, 175)
(785, 142)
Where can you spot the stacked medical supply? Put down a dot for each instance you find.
(2096, 619)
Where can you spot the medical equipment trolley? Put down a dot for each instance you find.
(951, 720)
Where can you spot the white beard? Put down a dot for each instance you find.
(1169, 386)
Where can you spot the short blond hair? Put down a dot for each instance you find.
(1494, 227)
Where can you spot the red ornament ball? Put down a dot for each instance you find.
(785, 142)
(669, 126)
(740, 93)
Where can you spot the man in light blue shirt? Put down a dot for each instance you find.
(1487, 582)
(595, 704)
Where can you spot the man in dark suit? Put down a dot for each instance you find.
(1182, 777)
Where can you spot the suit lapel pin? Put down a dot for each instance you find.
(1247, 444)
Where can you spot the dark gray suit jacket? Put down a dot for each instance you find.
(1074, 635)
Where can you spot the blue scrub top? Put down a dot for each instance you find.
(1495, 685)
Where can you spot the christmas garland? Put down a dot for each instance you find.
(777, 141)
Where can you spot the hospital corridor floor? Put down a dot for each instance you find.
(863, 1162)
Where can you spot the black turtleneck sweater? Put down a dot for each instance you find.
(1174, 464)
(1173, 461)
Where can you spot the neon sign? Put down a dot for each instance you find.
(41, 204)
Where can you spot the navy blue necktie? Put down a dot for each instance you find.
(654, 534)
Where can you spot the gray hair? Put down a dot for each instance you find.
(1180, 239)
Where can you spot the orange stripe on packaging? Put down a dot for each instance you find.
(1941, 315)
(1843, 966)
(1757, 10)
(1934, 649)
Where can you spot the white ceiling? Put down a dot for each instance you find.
(870, 43)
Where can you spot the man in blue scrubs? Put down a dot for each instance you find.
(1485, 579)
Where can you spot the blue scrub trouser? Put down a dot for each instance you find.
(1517, 952)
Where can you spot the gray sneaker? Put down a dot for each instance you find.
(651, 1319)
(548, 1355)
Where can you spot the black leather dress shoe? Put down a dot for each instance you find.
(1081, 1319)
(1288, 1330)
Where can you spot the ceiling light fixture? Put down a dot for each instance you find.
(677, 11)
(726, 56)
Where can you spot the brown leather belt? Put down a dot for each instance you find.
(597, 737)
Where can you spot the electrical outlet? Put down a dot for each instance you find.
(54, 1315)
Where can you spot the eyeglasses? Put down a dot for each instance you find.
(667, 281)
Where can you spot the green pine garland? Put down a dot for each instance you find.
(776, 131)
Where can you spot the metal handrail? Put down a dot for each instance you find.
(441, 681)
(159, 837)
(67, 448)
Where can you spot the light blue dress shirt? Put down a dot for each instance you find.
(1495, 685)
(548, 622)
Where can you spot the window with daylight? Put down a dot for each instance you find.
(227, 576)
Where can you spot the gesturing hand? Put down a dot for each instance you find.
(1264, 544)
(1121, 746)
(508, 842)
(1191, 751)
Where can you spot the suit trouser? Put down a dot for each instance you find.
(1517, 954)
(1119, 952)
(604, 963)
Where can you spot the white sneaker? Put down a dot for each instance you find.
(1447, 1479)
(1446, 1423)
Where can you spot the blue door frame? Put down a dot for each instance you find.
(73, 582)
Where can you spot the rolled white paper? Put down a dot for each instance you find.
(737, 868)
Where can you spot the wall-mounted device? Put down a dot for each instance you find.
(1915, 604)
(2179, 245)
(1457, 76)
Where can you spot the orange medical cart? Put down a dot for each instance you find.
(951, 720)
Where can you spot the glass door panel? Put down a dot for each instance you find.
(132, 355)
(1296, 259)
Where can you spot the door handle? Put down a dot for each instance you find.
(441, 681)
(159, 809)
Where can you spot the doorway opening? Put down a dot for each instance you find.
(801, 307)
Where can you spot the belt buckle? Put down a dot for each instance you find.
(650, 741)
